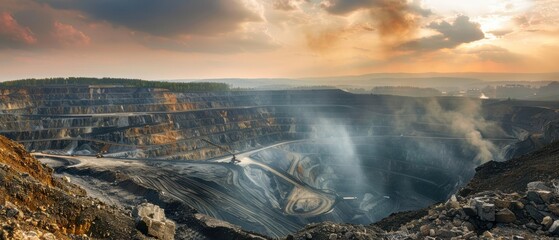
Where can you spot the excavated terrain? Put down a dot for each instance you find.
(33, 203)
(305, 156)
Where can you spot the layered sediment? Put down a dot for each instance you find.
(299, 150)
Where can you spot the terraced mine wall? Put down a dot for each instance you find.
(395, 153)
(156, 123)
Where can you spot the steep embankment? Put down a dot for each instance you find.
(517, 199)
(35, 204)
(513, 175)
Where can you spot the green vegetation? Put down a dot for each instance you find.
(172, 86)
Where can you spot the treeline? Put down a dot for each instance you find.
(172, 86)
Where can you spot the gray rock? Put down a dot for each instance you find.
(505, 216)
(333, 236)
(534, 197)
(535, 186)
(484, 210)
(446, 234)
(12, 212)
(469, 211)
(554, 229)
(534, 213)
(150, 220)
(532, 226)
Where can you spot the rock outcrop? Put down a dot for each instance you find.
(36, 205)
(484, 215)
(150, 220)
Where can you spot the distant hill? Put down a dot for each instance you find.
(441, 81)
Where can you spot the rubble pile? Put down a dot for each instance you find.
(533, 214)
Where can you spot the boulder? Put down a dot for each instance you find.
(534, 213)
(534, 197)
(517, 205)
(533, 226)
(554, 208)
(536, 186)
(502, 203)
(505, 216)
(469, 211)
(150, 220)
(546, 196)
(453, 203)
(547, 221)
(484, 210)
(424, 230)
(554, 229)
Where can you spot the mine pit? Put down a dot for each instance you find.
(299, 156)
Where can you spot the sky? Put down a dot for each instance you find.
(185, 39)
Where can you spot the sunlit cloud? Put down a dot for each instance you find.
(276, 38)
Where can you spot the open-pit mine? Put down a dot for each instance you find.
(267, 161)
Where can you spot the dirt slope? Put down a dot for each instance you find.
(35, 204)
(513, 175)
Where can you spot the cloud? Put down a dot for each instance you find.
(495, 54)
(34, 29)
(254, 38)
(395, 18)
(322, 41)
(68, 35)
(501, 32)
(168, 17)
(285, 5)
(14, 35)
(451, 35)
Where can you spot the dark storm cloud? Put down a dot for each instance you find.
(462, 30)
(342, 7)
(165, 17)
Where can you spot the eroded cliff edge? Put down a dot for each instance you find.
(33, 203)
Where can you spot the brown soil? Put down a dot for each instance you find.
(34, 203)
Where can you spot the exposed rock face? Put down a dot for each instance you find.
(514, 175)
(515, 216)
(150, 220)
(35, 205)
(523, 193)
(551, 132)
